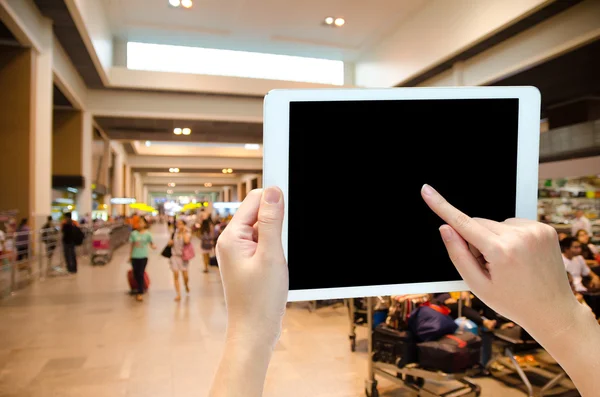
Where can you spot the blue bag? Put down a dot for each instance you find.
(428, 322)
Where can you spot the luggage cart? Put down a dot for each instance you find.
(412, 376)
(101, 246)
(357, 317)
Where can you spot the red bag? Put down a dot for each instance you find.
(133, 284)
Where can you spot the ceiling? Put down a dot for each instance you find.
(67, 34)
(567, 78)
(290, 27)
(146, 129)
(548, 10)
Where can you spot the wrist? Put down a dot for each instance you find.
(258, 336)
(563, 320)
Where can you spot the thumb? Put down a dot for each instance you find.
(270, 218)
(467, 265)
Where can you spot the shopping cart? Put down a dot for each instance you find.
(101, 246)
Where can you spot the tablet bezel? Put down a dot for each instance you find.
(276, 161)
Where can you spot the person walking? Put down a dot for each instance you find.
(140, 240)
(180, 264)
(69, 239)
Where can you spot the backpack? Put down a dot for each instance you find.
(78, 235)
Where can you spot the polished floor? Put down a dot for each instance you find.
(85, 336)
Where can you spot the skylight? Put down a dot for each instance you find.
(179, 59)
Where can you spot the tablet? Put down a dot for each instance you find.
(351, 163)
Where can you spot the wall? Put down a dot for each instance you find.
(67, 144)
(16, 124)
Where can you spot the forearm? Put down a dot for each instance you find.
(243, 368)
(576, 347)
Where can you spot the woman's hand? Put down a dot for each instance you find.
(255, 280)
(514, 266)
(253, 267)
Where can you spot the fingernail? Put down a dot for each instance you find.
(272, 195)
(446, 233)
(427, 190)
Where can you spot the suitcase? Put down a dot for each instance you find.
(393, 346)
(213, 261)
(451, 353)
(133, 284)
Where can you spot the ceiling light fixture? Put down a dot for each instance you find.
(148, 143)
(169, 191)
(187, 3)
(172, 184)
(227, 170)
(329, 20)
(177, 131)
(252, 146)
(174, 3)
(207, 184)
(173, 169)
(339, 22)
(186, 131)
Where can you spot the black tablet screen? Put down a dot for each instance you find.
(356, 216)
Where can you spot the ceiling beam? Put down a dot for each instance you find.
(160, 105)
(218, 163)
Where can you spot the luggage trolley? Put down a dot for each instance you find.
(101, 246)
(412, 376)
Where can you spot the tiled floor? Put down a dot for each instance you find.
(85, 336)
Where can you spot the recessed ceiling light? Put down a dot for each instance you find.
(177, 131)
(173, 169)
(339, 22)
(329, 20)
(224, 170)
(169, 191)
(186, 131)
(148, 143)
(171, 184)
(252, 146)
(207, 184)
(229, 170)
(174, 3)
(187, 3)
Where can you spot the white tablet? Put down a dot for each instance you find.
(351, 163)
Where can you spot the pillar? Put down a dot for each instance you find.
(84, 197)
(26, 131)
(72, 152)
(259, 181)
(248, 187)
(117, 183)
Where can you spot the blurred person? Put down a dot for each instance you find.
(206, 243)
(140, 240)
(22, 240)
(181, 236)
(69, 239)
(514, 267)
(8, 252)
(576, 266)
(588, 250)
(581, 222)
(50, 235)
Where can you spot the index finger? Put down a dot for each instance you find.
(473, 232)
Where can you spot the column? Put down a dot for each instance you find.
(127, 192)
(26, 131)
(84, 196)
(241, 194)
(248, 187)
(72, 152)
(145, 197)
(117, 183)
(259, 181)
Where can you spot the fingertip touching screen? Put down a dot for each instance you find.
(356, 216)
